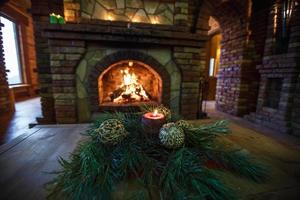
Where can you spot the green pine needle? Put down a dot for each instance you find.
(240, 163)
(95, 170)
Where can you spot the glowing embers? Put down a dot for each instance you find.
(130, 90)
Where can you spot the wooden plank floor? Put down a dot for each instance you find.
(24, 162)
(15, 124)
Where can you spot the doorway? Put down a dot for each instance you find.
(213, 62)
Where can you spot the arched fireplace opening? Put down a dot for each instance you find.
(129, 83)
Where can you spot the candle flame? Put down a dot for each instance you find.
(155, 112)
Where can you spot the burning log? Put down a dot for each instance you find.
(130, 90)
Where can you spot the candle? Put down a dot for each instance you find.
(53, 19)
(60, 19)
(152, 122)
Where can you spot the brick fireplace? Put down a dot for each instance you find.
(88, 61)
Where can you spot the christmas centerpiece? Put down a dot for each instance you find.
(180, 161)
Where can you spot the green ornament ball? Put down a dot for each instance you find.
(184, 124)
(111, 132)
(171, 136)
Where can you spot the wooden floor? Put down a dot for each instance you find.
(25, 161)
(16, 124)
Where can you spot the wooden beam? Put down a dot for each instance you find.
(10, 12)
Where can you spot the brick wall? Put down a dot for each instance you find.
(295, 49)
(232, 84)
(4, 91)
(242, 47)
(181, 12)
(253, 55)
(64, 57)
(40, 11)
(284, 67)
(296, 110)
(191, 61)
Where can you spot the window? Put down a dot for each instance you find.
(273, 90)
(11, 51)
(212, 67)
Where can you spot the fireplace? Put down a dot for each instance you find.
(102, 66)
(129, 83)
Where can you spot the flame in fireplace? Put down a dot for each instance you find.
(130, 90)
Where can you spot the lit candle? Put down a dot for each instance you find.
(60, 19)
(53, 19)
(153, 121)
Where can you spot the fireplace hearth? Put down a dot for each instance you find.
(108, 66)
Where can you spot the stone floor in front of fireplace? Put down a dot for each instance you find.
(26, 160)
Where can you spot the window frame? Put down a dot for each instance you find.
(17, 36)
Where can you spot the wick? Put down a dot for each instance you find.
(155, 113)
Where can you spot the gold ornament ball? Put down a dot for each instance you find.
(184, 124)
(171, 136)
(111, 131)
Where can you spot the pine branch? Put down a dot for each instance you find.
(240, 163)
(203, 136)
(95, 170)
(185, 178)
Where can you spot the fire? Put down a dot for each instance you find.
(130, 90)
(155, 112)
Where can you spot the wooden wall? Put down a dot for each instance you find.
(19, 11)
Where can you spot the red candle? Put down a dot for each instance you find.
(153, 121)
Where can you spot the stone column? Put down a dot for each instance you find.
(64, 58)
(40, 14)
(181, 12)
(191, 61)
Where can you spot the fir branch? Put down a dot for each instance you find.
(95, 170)
(240, 163)
(203, 136)
(185, 178)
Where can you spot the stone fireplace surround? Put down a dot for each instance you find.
(79, 53)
